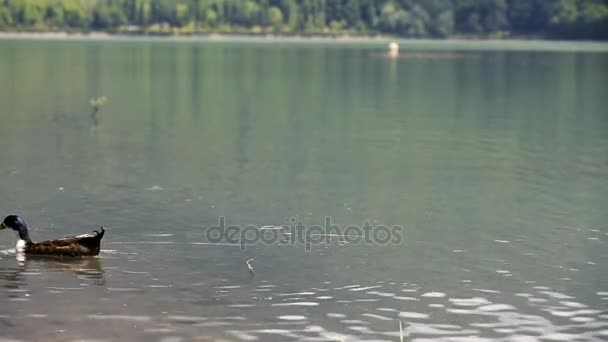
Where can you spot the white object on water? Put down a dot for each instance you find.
(393, 49)
(249, 265)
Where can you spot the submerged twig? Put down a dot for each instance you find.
(249, 266)
(400, 331)
(96, 104)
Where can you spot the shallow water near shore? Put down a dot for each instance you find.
(495, 163)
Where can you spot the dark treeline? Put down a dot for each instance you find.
(566, 19)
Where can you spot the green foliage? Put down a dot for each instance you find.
(444, 24)
(107, 17)
(210, 17)
(6, 20)
(275, 16)
(584, 19)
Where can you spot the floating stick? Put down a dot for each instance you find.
(249, 265)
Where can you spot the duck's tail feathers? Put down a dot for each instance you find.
(100, 233)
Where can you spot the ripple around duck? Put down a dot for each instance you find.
(475, 301)
(556, 295)
(241, 305)
(296, 304)
(132, 318)
(379, 317)
(292, 317)
(433, 295)
(186, 319)
(365, 288)
(573, 304)
(413, 315)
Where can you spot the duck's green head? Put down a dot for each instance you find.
(14, 222)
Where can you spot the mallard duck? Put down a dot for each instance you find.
(79, 245)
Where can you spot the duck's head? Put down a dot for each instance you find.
(14, 222)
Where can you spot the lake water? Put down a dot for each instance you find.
(494, 163)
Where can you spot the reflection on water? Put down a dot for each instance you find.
(493, 162)
(86, 269)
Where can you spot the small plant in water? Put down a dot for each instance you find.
(97, 103)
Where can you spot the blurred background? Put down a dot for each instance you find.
(555, 19)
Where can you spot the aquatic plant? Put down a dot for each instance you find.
(97, 103)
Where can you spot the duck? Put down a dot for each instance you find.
(71, 246)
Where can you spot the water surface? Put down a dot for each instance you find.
(495, 163)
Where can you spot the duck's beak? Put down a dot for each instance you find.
(2, 226)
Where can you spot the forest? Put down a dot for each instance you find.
(547, 19)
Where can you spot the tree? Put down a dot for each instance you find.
(563, 18)
(142, 12)
(275, 16)
(75, 15)
(444, 24)
(210, 17)
(352, 12)
(528, 16)
(161, 11)
(290, 9)
(34, 12)
(27, 12)
(180, 15)
(107, 16)
(593, 20)
(6, 20)
(481, 16)
(369, 13)
(420, 21)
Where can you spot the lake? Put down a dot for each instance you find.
(465, 188)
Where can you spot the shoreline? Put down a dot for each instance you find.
(102, 35)
(523, 44)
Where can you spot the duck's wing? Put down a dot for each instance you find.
(84, 244)
(84, 239)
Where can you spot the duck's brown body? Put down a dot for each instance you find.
(80, 245)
